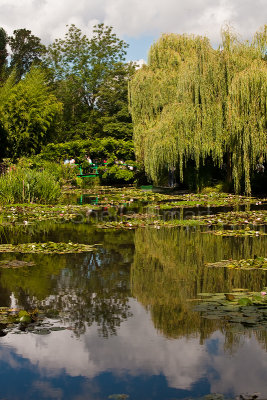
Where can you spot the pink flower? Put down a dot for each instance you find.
(263, 293)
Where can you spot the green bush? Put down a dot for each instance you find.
(116, 174)
(62, 173)
(218, 188)
(23, 185)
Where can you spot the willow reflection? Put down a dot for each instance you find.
(168, 272)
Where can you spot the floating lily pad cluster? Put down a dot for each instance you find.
(236, 218)
(218, 396)
(14, 264)
(248, 309)
(46, 248)
(27, 214)
(237, 232)
(144, 220)
(251, 263)
(18, 321)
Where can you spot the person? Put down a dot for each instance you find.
(88, 159)
(172, 182)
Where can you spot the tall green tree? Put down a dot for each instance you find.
(3, 51)
(28, 113)
(86, 71)
(192, 102)
(26, 50)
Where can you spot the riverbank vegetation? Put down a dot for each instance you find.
(67, 100)
(197, 111)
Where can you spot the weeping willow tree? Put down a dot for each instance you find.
(192, 102)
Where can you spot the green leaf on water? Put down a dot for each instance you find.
(245, 301)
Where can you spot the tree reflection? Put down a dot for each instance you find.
(168, 272)
(86, 288)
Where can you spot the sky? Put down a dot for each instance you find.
(138, 22)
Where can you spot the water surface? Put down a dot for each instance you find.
(128, 313)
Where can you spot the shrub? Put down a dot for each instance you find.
(61, 172)
(218, 188)
(23, 185)
(116, 174)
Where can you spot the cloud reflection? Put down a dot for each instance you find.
(138, 349)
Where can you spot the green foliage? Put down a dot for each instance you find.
(21, 185)
(61, 172)
(116, 174)
(3, 52)
(192, 102)
(28, 113)
(99, 149)
(218, 188)
(86, 61)
(91, 79)
(26, 49)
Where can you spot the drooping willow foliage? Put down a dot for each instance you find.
(192, 101)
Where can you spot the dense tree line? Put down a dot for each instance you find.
(194, 104)
(195, 109)
(76, 88)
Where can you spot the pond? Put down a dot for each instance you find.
(121, 321)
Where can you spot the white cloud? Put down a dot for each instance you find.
(133, 18)
(139, 63)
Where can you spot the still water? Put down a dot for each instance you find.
(127, 310)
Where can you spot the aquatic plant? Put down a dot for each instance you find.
(236, 218)
(247, 309)
(250, 263)
(15, 264)
(22, 185)
(46, 248)
(237, 232)
(16, 320)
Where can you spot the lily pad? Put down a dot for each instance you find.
(251, 263)
(245, 309)
(245, 301)
(15, 264)
(46, 248)
(18, 321)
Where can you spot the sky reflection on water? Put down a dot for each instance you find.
(150, 346)
(47, 365)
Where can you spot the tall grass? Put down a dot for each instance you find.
(23, 185)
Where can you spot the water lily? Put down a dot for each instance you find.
(263, 293)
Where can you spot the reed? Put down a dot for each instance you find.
(23, 185)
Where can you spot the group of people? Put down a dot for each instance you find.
(90, 162)
(71, 161)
